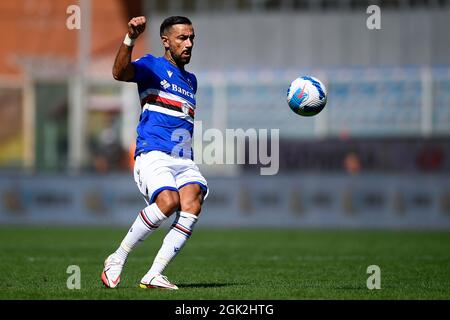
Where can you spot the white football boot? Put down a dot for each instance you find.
(156, 281)
(112, 270)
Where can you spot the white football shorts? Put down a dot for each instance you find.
(156, 171)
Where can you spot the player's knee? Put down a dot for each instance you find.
(168, 202)
(193, 206)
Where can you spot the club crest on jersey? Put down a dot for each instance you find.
(185, 108)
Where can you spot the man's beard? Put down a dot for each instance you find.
(179, 59)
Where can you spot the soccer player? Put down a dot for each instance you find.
(164, 170)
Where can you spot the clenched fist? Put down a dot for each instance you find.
(136, 26)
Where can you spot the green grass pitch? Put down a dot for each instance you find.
(231, 264)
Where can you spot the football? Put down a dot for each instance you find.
(307, 96)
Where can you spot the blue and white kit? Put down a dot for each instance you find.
(164, 157)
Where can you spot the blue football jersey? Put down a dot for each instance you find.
(167, 96)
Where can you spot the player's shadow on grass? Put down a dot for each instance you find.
(205, 285)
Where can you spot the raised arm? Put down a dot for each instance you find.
(123, 70)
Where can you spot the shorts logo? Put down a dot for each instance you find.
(138, 172)
(176, 249)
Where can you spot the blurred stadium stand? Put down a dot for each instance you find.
(192, 6)
(387, 121)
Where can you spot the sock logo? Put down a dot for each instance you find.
(176, 249)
